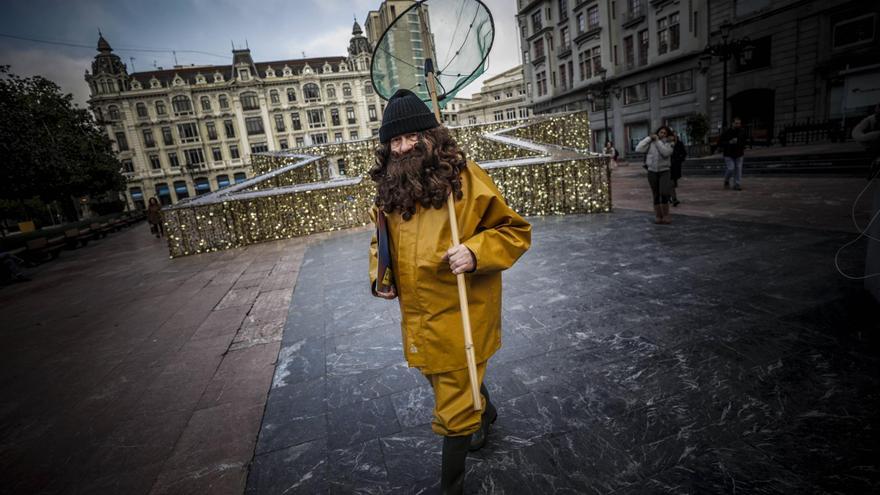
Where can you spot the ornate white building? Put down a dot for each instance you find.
(501, 97)
(190, 130)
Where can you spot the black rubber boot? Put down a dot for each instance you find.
(455, 450)
(478, 439)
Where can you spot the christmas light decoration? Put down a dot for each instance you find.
(540, 164)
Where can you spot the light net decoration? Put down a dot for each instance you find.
(294, 193)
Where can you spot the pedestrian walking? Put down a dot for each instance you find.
(417, 166)
(867, 132)
(657, 153)
(679, 154)
(733, 145)
(611, 151)
(154, 218)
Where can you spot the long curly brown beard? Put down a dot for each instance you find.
(424, 175)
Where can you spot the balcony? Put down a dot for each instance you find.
(589, 34)
(563, 51)
(634, 16)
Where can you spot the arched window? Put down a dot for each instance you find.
(273, 97)
(99, 115)
(181, 189)
(291, 94)
(331, 91)
(202, 185)
(141, 110)
(206, 104)
(240, 177)
(137, 197)
(224, 102)
(222, 181)
(113, 112)
(368, 88)
(181, 104)
(163, 193)
(160, 108)
(340, 166)
(311, 92)
(249, 101)
(346, 90)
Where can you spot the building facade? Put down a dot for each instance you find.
(805, 60)
(501, 97)
(190, 130)
(638, 59)
(645, 63)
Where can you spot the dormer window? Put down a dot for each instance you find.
(327, 68)
(135, 84)
(200, 79)
(270, 72)
(244, 74)
(154, 83)
(178, 81)
(287, 71)
(218, 77)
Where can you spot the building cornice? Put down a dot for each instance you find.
(528, 6)
(539, 33)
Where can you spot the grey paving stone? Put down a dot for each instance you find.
(361, 421)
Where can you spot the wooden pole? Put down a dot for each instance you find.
(453, 225)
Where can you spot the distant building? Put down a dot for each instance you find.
(452, 112)
(809, 60)
(502, 97)
(644, 53)
(408, 43)
(805, 60)
(189, 130)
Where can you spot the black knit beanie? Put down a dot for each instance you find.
(405, 113)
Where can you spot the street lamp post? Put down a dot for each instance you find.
(726, 50)
(606, 88)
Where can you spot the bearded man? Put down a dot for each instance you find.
(417, 166)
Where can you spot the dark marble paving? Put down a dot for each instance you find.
(707, 357)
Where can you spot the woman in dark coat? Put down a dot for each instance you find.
(154, 217)
(679, 153)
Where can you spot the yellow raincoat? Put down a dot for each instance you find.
(433, 340)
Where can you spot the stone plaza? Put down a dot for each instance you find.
(724, 353)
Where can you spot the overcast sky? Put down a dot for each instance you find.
(273, 30)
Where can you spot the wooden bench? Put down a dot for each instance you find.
(75, 236)
(100, 229)
(43, 249)
(118, 224)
